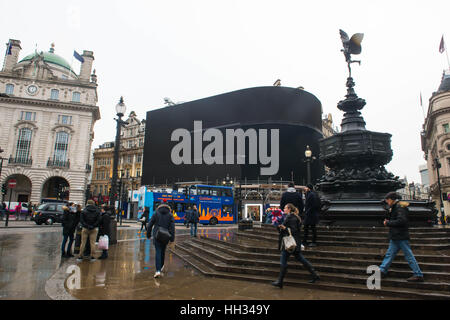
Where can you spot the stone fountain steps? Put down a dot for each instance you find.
(213, 262)
(373, 242)
(370, 229)
(321, 264)
(264, 247)
(326, 258)
(325, 232)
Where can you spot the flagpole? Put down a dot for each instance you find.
(421, 104)
(70, 71)
(446, 53)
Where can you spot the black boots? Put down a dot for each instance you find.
(311, 270)
(104, 255)
(279, 282)
(69, 254)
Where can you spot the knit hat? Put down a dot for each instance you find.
(91, 202)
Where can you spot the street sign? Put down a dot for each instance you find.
(12, 183)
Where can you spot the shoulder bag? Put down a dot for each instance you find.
(162, 234)
(289, 243)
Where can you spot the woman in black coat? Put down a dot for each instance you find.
(293, 222)
(104, 229)
(69, 221)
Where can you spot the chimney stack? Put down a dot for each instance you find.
(86, 66)
(13, 47)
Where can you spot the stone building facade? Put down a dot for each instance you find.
(130, 160)
(47, 128)
(436, 142)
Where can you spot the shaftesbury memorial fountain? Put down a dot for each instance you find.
(357, 181)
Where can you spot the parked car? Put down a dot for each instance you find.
(49, 213)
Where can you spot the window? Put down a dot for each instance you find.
(64, 119)
(29, 116)
(141, 142)
(130, 159)
(101, 189)
(446, 127)
(23, 145)
(203, 191)
(76, 97)
(64, 76)
(61, 146)
(138, 172)
(54, 95)
(9, 89)
(139, 158)
(130, 143)
(128, 173)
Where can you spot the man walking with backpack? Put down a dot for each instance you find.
(399, 236)
(163, 232)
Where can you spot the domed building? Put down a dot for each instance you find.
(436, 143)
(48, 115)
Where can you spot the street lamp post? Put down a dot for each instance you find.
(437, 165)
(308, 160)
(120, 110)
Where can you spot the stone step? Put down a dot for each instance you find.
(300, 277)
(352, 237)
(380, 228)
(324, 258)
(333, 252)
(430, 235)
(394, 273)
(358, 242)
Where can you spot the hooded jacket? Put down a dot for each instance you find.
(69, 221)
(398, 221)
(292, 196)
(90, 217)
(311, 208)
(163, 217)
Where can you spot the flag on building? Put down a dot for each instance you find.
(442, 45)
(78, 56)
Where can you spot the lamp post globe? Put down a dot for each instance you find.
(121, 108)
(308, 153)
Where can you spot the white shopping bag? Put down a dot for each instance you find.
(103, 242)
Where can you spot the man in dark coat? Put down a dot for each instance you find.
(105, 228)
(69, 222)
(161, 218)
(312, 209)
(90, 220)
(292, 196)
(399, 236)
(193, 220)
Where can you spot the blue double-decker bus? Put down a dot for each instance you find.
(215, 204)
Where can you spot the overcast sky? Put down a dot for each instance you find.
(188, 50)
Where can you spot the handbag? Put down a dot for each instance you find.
(103, 242)
(289, 242)
(162, 234)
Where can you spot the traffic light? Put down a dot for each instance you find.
(444, 196)
(4, 189)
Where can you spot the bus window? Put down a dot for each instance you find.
(215, 192)
(180, 207)
(227, 193)
(203, 191)
(193, 191)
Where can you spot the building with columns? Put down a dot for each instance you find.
(436, 143)
(130, 161)
(47, 128)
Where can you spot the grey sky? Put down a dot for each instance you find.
(188, 50)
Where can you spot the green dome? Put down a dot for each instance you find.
(49, 57)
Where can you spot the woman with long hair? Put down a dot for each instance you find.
(293, 223)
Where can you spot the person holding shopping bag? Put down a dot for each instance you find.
(291, 226)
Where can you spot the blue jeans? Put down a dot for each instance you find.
(298, 255)
(193, 229)
(394, 247)
(160, 253)
(63, 246)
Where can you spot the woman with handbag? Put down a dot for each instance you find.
(163, 232)
(104, 230)
(290, 232)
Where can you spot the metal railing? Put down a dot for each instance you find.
(20, 160)
(58, 163)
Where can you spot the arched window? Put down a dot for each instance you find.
(61, 146)
(9, 89)
(76, 97)
(54, 94)
(23, 145)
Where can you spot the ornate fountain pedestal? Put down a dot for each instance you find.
(353, 188)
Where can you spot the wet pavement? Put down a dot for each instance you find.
(31, 268)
